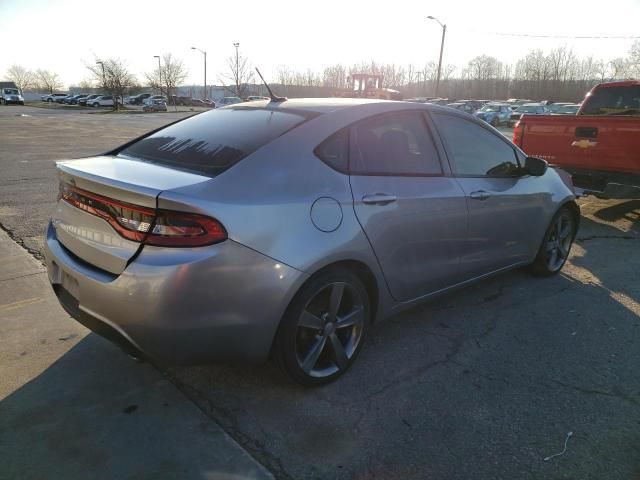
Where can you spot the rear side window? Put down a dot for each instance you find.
(393, 144)
(334, 151)
(212, 142)
(476, 151)
(614, 100)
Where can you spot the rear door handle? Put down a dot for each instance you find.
(378, 199)
(480, 195)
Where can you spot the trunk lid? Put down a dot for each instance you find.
(123, 180)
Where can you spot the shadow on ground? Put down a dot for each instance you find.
(96, 414)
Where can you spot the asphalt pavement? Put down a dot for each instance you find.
(487, 382)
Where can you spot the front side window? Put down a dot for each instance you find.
(476, 151)
(393, 144)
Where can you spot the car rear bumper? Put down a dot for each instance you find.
(179, 306)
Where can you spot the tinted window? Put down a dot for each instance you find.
(475, 150)
(612, 100)
(393, 144)
(334, 151)
(212, 142)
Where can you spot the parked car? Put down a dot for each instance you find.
(599, 145)
(62, 99)
(138, 99)
(528, 108)
(102, 101)
(52, 97)
(83, 101)
(292, 240)
(571, 109)
(514, 103)
(11, 95)
(210, 103)
(555, 107)
(253, 98)
(73, 99)
(495, 114)
(463, 107)
(196, 102)
(223, 102)
(154, 105)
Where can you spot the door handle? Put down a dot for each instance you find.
(378, 199)
(479, 195)
(586, 132)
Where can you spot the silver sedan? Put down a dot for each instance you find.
(289, 227)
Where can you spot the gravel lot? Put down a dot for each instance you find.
(482, 383)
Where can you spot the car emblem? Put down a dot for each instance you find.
(584, 143)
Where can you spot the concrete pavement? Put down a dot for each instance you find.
(73, 407)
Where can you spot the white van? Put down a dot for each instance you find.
(11, 95)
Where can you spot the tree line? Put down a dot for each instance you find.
(558, 74)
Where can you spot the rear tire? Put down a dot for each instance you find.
(324, 328)
(556, 244)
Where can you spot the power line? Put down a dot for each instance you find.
(577, 37)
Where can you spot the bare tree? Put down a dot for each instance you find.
(240, 74)
(171, 74)
(23, 78)
(114, 77)
(620, 68)
(47, 80)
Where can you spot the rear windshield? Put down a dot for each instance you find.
(212, 142)
(614, 101)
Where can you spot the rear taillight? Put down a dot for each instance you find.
(518, 133)
(146, 225)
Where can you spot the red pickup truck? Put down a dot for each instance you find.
(599, 146)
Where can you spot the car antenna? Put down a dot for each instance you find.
(274, 98)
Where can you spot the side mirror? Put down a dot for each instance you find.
(535, 166)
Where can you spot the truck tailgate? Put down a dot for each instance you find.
(581, 142)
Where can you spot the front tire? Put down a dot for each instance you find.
(556, 244)
(323, 330)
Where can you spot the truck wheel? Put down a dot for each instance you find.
(556, 244)
(495, 122)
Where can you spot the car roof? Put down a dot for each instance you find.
(312, 105)
(531, 105)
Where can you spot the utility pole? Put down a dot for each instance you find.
(205, 70)
(159, 73)
(237, 69)
(444, 32)
(104, 87)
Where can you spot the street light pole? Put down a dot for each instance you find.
(205, 70)
(444, 32)
(159, 73)
(237, 69)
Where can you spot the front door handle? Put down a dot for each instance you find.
(480, 195)
(378, 199)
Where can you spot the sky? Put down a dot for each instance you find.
(66, 35)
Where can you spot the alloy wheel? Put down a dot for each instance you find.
(558, 242)
(329, 330)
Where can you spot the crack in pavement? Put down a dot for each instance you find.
(36, 253)
(592, 391)
(254, 447)
(607, 237)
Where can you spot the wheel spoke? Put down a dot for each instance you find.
(353, 317)
(553, 258)
(312, 357)
(339, 354)
(563, 251)
(309, 320)
(335, 300)
(565, 232)
(550, 246)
